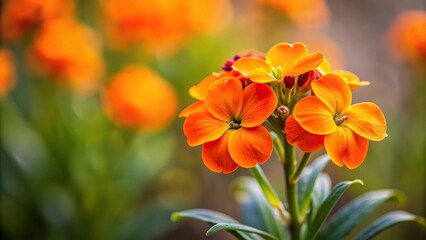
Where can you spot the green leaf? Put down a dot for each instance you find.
(265, 185)
(212, 218)
(248, 192)
(321, 191)
(387, 221)
(239, 227)
(327, 206)
(306, 183)
(342, 223)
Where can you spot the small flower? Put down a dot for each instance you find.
(346, 128)
(68, 52)
(230, 127)
(282, 60)
(139, 98)
(350, 78)
(7, 72)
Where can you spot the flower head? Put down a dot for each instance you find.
(345, 128)
(139, 98)
(230, 127)
(282, 60)
(69, 52)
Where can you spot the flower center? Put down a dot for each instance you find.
(340, 119)
(277, 72)
(234, 124)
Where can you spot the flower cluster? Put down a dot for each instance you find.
(296, 94)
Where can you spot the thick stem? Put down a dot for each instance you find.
(293, 206)
(302, 165)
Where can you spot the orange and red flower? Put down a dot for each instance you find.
(329, 115)
(139, 98)
(70, 53)
(230, 127)
(282, 60)
(7, 72)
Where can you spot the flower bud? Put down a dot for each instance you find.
(289, 81)
(304, 80)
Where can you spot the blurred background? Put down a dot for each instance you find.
(91, 146)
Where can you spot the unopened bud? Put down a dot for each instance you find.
(289, 81)
(228, 65)
(245, 81)
(304, 80)
(283, 111)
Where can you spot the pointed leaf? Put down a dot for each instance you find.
(212, 218)
(321, 191)
(239, 227)
(327, 206)
(342, 223)
(306, 183)
(387, 221)
(265, 185)
(248, 193)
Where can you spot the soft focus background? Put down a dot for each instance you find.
(91, 146)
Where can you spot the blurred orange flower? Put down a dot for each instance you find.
(19, 16)
(230, 127)
(139, 98)
(407, 36)
(162, 26)
(346, 128)
(282, 60)
(70, 53)
(307, 14)
(7, 72)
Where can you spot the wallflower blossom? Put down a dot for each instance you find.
(69, 52)
(345, 128)
(230, 128)
(7, 72)
(350, 78)
(282, 60)
(199, 91)
(19, 16)
(161, 26)
(139, 98)
(407, 36)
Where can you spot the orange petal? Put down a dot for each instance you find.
(314, 116)
(286, 55)
(258, 104)
(199, 91)
(333, 91)
(201, 127)
(351, 79)
(367, 120)
(346, 147)
(248, 64)
(299, 137)
(216, 156)
(324, 67)
(249, 146)
(261, 76)
(224, 98)
(306, 64)
(197, 106)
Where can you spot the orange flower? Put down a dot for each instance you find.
(346, 128)
(407, 36)
(68, 52)
(161, 26)
(7, 72)
(18, 16)
(139, 98)
(230, 128)
(350, 78)
(282, 60)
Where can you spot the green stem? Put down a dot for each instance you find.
(302, 165)
(293, 206)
